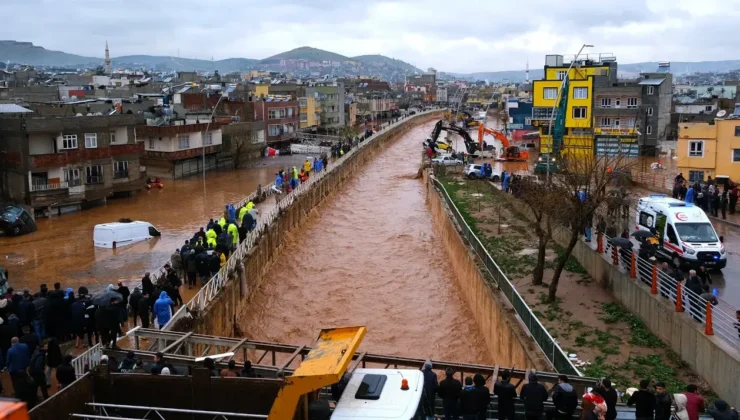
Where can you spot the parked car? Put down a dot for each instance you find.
(15, 221)
(472, 171)
(447, 161)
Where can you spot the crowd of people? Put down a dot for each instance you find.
(708, 195)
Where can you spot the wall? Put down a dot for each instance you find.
(221, 314)
(40, 144)
(507, 339)
(697, 131)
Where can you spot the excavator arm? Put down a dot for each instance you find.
(510, 152)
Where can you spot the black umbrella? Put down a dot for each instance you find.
(103, 298)
(642, 234)
(621, 242)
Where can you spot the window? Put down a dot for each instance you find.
(527, 120)
(290, 112)
(151, 143)
(696, 148)
(646, 219)
(672, 238)
(72, 177)
(618, 102)
(606, 122)
(91, 141)
(561, 75)
(184, 142)
(112, 135)
(650, 112)
(696, 176)
(273, 130)
(94, 174)
(276, 113)
(631, 102)
(649, 129)
(258, 137)
(304, 117)
(579, 112)
(651, 90)
(616, 123)
(606, 102)
(303, 102)
(580, 93)
(630, 122)
(208, 139)
(69, 141)
(737, 131)
(736, 155)
(708, 108)
(120, 169)
(550, 93)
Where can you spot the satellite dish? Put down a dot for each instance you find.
(721, 113)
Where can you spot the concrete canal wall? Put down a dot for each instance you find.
(219, 317)
(507, 339)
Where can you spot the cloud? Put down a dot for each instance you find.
(478, 35)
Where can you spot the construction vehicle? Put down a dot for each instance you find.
(470, 145)
(464, 116)
(508, 152)
(550, 162)
(369, 393)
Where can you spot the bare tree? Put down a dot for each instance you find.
(240, 144)
(543, 203)
(583, 185)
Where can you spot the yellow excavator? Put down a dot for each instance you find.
(464, 116)
(369, 393)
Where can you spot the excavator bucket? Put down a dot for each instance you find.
(324, 365)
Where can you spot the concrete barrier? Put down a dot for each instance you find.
(507, 339)
(220, 315)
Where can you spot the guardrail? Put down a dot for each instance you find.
(547, 344)
(715, 318)
(48, 187)
(661, 180)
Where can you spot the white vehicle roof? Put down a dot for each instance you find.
(678, 210)
(118, 224)
(394, 403)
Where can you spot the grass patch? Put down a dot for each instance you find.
(571, 264)
(641, 336)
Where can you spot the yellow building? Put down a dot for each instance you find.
(261, 90)
(709, 149)
(310, 112)
(578, 137)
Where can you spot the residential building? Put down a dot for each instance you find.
(520, 114)
(617, 113)
(709, 149)
(370, 109)
(281, 116)
(350, 113)
(331, 102)
(310, 116)
(688, 105)
(176, 151)
(442, 95)
(426, 84)
(60, 164)
(657, 101)
(578, 137)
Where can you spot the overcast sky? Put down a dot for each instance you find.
(467, 36)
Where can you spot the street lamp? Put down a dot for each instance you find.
(203, 138)
(555, 105)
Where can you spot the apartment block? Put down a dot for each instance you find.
(176, 151)
(281, 116)
(57, 164)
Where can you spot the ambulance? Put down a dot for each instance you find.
(685, 235)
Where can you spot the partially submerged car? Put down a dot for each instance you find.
(15, 220)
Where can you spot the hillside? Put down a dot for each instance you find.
(306, 53)
(27, 53)
(381, 60)
(183, 64)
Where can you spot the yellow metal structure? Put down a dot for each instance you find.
(324, 365)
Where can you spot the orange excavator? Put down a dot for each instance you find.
(511, 153)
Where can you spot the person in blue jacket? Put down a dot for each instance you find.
(690, 194)
(505, 184)
(161, 310)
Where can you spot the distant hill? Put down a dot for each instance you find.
(27, 53)
(306, 53)
(381, 60)
(184, 64)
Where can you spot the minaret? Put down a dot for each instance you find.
(107, 58)
(527, 70)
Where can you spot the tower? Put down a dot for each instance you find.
(527, 72)
(107, 58)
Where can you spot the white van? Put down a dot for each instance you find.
(685, 234)
(118, 234)
(380, 394)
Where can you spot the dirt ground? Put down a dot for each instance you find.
(605, 339)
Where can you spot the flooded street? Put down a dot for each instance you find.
(371, 257)
(62, 248)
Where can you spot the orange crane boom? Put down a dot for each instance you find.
(511, 152)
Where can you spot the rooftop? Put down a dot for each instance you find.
(13, 109)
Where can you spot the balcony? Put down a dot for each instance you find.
(49, 187)
(120, 174)
(94, 180)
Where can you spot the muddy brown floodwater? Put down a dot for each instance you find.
(62, 248)
(371, 257)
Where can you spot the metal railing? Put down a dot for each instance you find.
(48, 187)
(87, 360)
(547, 344)
(94, 179)
(722, 321)
(661, 180)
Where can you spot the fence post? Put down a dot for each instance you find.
(679, 298)
(654, 281)
(599, 242)
(615, 255)
(708, 330)
(633, 266)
